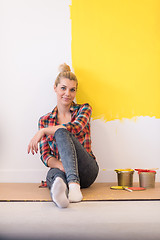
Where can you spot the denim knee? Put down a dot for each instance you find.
(60, 132)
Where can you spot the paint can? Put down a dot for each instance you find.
(125, 177)
(147, 179)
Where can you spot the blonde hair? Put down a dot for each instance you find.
(65, 72)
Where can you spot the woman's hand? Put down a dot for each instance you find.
(61, 167)
(55, 163)
(33, 145)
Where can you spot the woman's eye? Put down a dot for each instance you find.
(73, 90)
(63, 88)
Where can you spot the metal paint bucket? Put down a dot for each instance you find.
(125, 177)
(147, 179)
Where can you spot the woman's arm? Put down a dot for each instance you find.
(51, 130)
(55, 163)
(33, 145)
(81, 121)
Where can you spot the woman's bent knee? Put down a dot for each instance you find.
(61, 131)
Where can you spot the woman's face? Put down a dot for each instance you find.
(66, 91)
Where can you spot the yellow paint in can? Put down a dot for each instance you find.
(124, 170)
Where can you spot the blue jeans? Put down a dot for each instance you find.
(79, 165)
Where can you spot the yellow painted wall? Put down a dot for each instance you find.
(116, 56)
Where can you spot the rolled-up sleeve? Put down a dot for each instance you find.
(45, 150)
(82, 119)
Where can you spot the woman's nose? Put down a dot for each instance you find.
(67, 92)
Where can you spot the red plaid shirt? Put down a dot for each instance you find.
(79, 127)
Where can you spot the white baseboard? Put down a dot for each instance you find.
(23, 176)
(36, 176)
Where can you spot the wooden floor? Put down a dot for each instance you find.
(97, 192)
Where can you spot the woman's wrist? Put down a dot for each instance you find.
(49, 130)
(42, 130)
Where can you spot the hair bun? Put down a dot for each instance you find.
(64, 68)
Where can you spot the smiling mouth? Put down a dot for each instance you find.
(66, 99)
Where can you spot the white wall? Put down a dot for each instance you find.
(130, 143)
(35, 39)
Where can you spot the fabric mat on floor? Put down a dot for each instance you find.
(97, 192)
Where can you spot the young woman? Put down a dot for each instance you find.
(65, 143)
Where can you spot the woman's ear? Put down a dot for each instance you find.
(55, 87)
